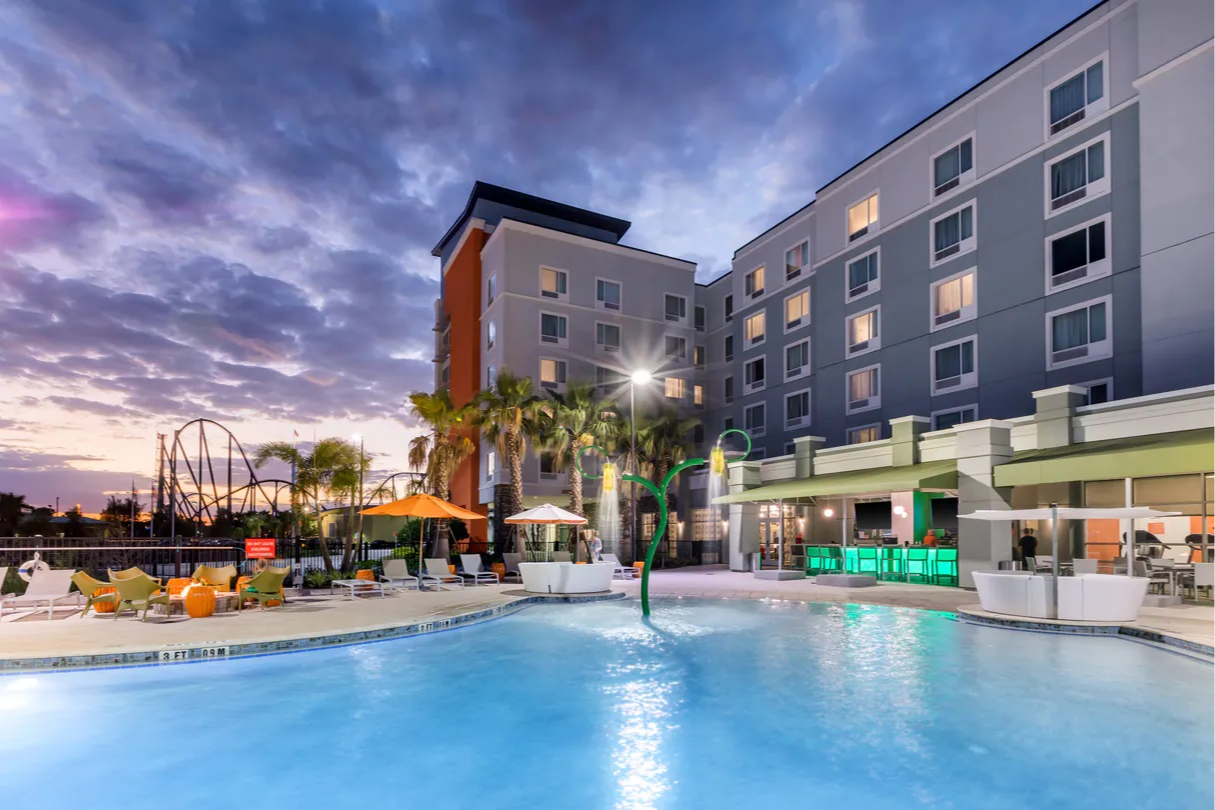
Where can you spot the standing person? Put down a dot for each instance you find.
(595, 547)
(1029, 549)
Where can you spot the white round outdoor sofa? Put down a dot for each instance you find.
(566, 577)
(1084, 598)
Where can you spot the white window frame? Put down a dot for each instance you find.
(700, 349)
(1093, 270)
(965, 380)
(684, 357)
(698, 395)
(752, 344)
(872, 286)
(601, 304)
(965, 313)
(491, 464)
(964, 246)
(803, 321)
(751, 296)
(727, 356)
(756, 433)
(964, 179)
(491, 375)
(491, 333)
(1092, 110)
(562, 343)
(727, 308)
(872, 228)
(561, 297)
(682, 320)
(681, 384)
(491, 289)
(602, 347)
(873, 402)
(877, 425)
(1105, 349)
(728, 396)
(803, 421)
(801, 271)
(1092, 191)
(704, 317)
(607, 386)
(804, 371)
(556, 385)
(874, 343)
(973, 406)
(752, 388)
(540, 456)
(445, 374)
(1108, 381)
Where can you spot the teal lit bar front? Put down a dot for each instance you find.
(935, 565)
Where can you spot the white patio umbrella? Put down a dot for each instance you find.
(1054, 513)
(546, 515)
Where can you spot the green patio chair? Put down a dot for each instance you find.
(918, 565)
(946, 567)
(88, 586)
(831, 559)
(264, 586)
(814, 560)
(215, 577)
(891, 563)
(867, 560)
(133, 571)
(138, 593)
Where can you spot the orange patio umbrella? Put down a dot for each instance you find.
(422, 506)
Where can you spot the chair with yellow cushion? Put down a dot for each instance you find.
(220, 578)
(89, 588)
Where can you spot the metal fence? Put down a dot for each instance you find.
(165, 557)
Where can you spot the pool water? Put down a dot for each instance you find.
(716, 705)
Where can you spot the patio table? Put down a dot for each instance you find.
(354, 586)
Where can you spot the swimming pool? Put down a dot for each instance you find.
(721, 704)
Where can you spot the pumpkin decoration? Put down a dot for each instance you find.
(200, 601)
(177, 585)
(365, 574)
(104, 607)
(500, 570)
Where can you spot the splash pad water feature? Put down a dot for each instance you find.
(717, 470)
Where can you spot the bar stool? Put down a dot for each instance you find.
(918, 565)
(892, 563)
(831, 560)
(814, 560)
(946, 566)
(867, 560)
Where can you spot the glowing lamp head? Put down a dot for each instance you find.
(609, 477)
(717, 461)
(641, 377)
(828, 512)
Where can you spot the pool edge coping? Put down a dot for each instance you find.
(195, 652)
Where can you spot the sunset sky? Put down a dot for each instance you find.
(224, 208)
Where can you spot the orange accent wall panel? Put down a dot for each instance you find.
(1103, 530)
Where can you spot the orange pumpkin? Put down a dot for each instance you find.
(365, 574)
(200, 602)
(104, 607)
(177, 585)
(499, 569)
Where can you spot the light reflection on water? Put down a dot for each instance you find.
(713, 704)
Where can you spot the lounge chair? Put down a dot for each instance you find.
(621, 571)
(474, 571)
(47, 587)
(396, 575)
(138, 593)
(264, 586)
(438, 573)
(511, 561)
(3, 577)
(561, 556)
(88, 587)
(220, 578)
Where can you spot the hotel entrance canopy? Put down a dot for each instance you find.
(932, 475)
(1186, 451)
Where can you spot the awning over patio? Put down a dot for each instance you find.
(1187, 451)
(933, 475)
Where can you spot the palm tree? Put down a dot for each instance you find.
(12, 508)
(577, 422)
(441, 451)
(664, 442)
(331, 466)
(510, 414)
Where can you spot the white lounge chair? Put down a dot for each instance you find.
(396, 575)
(438, 573)
(4, 576)
(474, 571)
(621, 571)
(47, 587)
(1080, 565)
(561, 556)
(511, 561)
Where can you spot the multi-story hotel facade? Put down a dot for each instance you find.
(1051, 227)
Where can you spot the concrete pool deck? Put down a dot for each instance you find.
(31, 643)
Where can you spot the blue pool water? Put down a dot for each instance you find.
(719, 705)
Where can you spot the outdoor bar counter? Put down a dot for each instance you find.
(937, 565)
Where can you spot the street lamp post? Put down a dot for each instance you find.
(362, 551)
(639, 377)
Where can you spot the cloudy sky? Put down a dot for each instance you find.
(225, 208)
